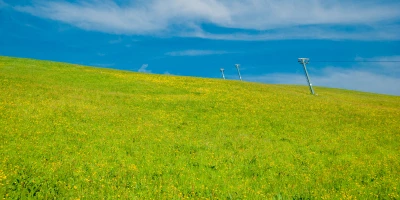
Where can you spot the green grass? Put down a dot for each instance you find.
(76, 132)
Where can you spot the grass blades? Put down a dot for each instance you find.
(80, 132)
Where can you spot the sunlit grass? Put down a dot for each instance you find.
(81, 132)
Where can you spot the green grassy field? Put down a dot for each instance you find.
(76, 132)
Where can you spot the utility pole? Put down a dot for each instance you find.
(305, 61)
(222, 71)
(237, 67)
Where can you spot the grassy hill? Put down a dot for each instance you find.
(81, 132)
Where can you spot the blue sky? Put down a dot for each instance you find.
(198, 37)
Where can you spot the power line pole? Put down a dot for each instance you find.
(222, 71)
(237, 67)
(305, 61)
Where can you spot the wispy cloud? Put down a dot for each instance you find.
(3, 4)
(117, 41)
(103, 64)
(144, 69)
(378, 77)
(195, 53)
(386, 64)
(379, 32)
(246, 19)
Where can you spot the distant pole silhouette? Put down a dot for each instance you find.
(222, 71)
(305, 61)
(237, 67)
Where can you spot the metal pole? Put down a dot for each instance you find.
(303, 61)
(237, 67)
(222, 71)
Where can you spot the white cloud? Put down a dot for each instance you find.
(274, 19)
(377, 77)
(195, 53)
(144, 69)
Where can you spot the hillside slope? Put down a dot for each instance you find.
(81, 132)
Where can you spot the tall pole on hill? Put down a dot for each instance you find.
(305, 61)
(237, 67)
(222, 71)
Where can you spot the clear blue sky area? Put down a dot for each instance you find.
(198, 37)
